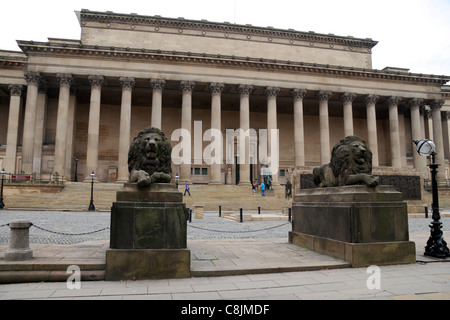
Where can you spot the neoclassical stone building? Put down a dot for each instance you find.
(86, 99)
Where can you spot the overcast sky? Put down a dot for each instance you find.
(413, 34)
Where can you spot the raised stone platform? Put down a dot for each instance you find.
(361, 225)
(148, 234)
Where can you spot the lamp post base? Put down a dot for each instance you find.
(436, 245)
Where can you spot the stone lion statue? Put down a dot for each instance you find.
(351, 163)
(150, 158)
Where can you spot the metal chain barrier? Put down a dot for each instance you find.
(70, 234)
(242, 231)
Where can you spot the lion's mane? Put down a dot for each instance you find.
(137, 159)
(343, 164)
(343, 161)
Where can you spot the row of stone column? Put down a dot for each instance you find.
(63, 136)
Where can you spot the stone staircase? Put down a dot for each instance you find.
(233, 197)
(75, 196)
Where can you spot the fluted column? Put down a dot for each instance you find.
(416, 134)
(216, 124)
(157, 86)
(325, 155)
(445, 133)
(9, 164)
(428, 124)
(394, 129)
(39, 130)
(65, 81)
(94, 126)
(33, 79)
(125, 127)
(347, 99)
(422, 121)
(299, 134)
(436, 106)
(372, 127)
(244, 116)
(272, 124)
(69, 166)
(186, 123)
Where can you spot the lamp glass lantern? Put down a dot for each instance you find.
(425, 147)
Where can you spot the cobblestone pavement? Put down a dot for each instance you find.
(60, 227)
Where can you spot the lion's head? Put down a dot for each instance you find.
(351, 156)
(151, 152)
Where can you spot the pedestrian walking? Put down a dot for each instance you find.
(263, 188)
(187, 189)
(253, 187)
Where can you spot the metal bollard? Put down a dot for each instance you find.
(220, 211)
(259, 210)
(19, 244)
(426, 212)
(190, 215)
(290, 214)
(240, 213)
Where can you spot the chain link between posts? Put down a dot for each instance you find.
(70, 234)
(239, 231)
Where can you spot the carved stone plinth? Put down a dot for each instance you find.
(361, 225)
(148, 234)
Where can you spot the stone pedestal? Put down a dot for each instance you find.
(361, 225)
(198, 210)
(19, 248)
(148, 234)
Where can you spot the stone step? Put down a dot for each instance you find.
(76, 197)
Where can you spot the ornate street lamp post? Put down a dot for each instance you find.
(177, 179)
(75, 179)
(436, 245)
(91, 204)
(2, 204)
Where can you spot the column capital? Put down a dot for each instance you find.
(187, 86)
(216, 87)
(33, 77)
(157, 84)
(272, 91)
(393, 101)
(348, 97)
(422, 109)
(96, 80)
(415, 103)
(444, 115)
(436, 104)
(371, 98)
(244, 89)
(324, 95)
(15, 89)
(298, 93)
(127, 82)
(65, 79)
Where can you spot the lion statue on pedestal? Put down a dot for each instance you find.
(351, 163)
(150, 158)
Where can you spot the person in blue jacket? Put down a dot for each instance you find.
(187, 189)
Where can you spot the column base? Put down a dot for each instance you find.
(18, 254)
